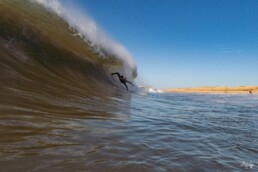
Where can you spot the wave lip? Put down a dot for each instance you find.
(89, 30)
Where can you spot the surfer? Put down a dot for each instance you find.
(122, 79)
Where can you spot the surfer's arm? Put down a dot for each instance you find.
(116, 73)
(130, 83)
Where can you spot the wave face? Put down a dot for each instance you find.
(46, 67)
(88, 30)
(44, 52)
(52, 75)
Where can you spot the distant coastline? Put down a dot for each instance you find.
(217, 89)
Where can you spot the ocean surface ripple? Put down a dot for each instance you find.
(157, 132)
(60, 110)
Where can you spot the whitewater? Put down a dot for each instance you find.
(60, 110)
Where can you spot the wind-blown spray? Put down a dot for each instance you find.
(90, 30)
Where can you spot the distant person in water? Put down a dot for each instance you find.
(122, 79)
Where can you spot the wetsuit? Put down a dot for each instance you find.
(122, 79)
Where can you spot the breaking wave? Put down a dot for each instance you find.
(43, 39)
(53, 64)
(87, 29)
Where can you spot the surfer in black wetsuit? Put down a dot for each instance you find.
(122, 79)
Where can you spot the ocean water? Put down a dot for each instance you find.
(155, 132)
(60, 110)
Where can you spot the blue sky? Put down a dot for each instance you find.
(184, 43)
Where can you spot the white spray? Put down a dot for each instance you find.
(87, 27)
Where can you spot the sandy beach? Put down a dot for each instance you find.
(217, 89)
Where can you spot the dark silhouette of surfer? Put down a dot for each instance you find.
(122, 79)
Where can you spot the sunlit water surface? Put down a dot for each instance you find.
(155, 132)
